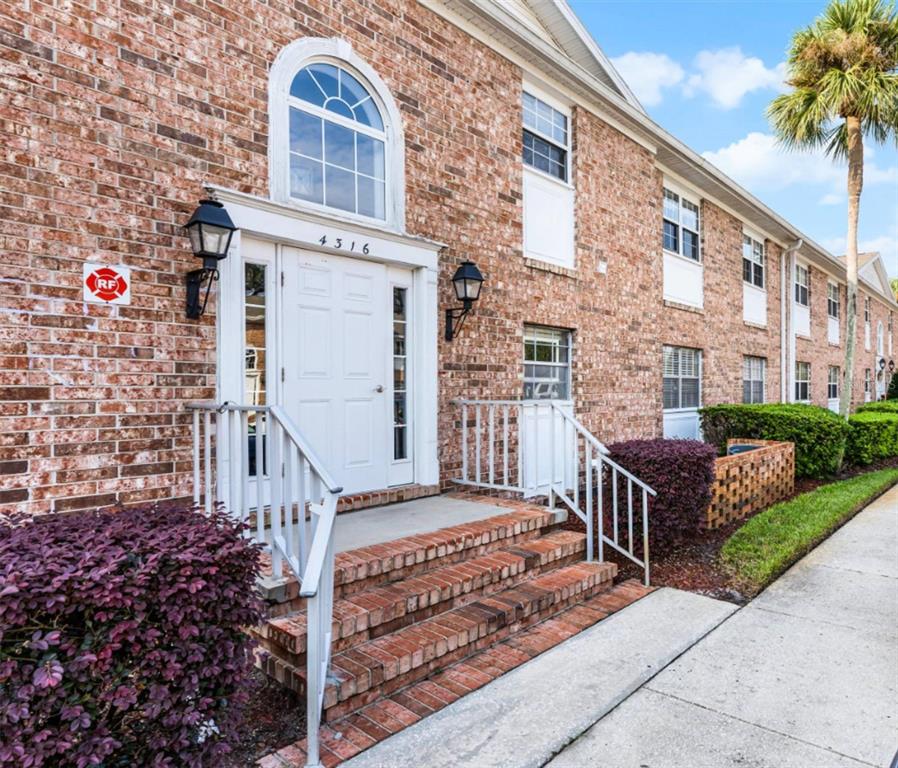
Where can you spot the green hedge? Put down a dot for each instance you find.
(883, 406)
(818, 434)
(873, 435)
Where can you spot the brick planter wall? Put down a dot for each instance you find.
(748, 482)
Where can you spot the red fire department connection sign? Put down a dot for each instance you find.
(107, 285)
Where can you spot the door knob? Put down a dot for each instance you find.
(379, 388)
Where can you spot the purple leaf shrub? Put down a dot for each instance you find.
(121, 640)
(681, 471)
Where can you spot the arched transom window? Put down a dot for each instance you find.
(337, 142)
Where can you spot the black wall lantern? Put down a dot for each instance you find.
(882, 364)
(466, 281)
(891, 366)
(210, 230)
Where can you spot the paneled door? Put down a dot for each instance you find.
(336, 336)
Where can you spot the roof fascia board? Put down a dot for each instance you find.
(563, 12)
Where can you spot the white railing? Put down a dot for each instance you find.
(248, 457)
(538, 448)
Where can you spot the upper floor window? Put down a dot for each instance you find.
(802, 285)
(546, 137)
(680, 225)
(752, 261)
(866, 309)
(880, 339)
(754, 376)
(833, 302)
(682, 378)
(547, 363)
(335, 134)
(337, 142)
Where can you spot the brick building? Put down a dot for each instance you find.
(364, 150)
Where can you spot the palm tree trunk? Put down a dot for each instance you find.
(855, 184)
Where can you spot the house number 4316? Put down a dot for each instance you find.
(340, 242)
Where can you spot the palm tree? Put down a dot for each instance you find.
(843, 74)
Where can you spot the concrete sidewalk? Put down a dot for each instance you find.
(805, 676)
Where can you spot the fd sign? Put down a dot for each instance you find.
(107, 285)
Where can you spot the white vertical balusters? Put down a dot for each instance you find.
(588, 474)
(553, 457)
(519, 410)
(491, 414)
(289, 492)
(304, 484)
(505, 479)
(614, 502)
(575, 458)
(275, 443)
(244, 466)
(232, 422)
(207, 460)
(196, 457)
(645, 533)
(464, 441)
(477, 442)
(261, 419)
(535, 446)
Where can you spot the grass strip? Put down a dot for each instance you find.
(774, 539)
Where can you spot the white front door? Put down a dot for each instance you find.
(336, 332)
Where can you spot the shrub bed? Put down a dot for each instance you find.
(771, 541)
(872, 435)
(681, 471)
(818, 434)
(121, 639)
(883, 406)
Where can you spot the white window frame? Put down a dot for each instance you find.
(833, 301)
(692, 199)
(680, 378)
(830, 383)
(799, 285)
(559, 338)
(799, 381)
(868, 383)
(339, 52)
(565, 111)
(750, 365)
(752, 259)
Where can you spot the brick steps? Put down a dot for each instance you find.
(384, 665)
(380, 610)
(344, 738)
(360, 569)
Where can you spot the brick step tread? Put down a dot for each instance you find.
(378, 667)
(393, 560)
(359, 614)
(348, 736)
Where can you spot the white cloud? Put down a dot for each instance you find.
(885, 245)
(648, 74)
(831, 198)
(727, 75)
(758, 161)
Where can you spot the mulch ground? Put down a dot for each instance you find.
(273, 718)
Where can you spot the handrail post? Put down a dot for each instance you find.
(645, 533)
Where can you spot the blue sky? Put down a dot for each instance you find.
(706, 71)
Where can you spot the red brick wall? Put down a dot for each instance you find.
(718, 329)
(117, 115)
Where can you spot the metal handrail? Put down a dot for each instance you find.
(297, 482)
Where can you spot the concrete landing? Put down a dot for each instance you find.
(408, 518)
(526, 716)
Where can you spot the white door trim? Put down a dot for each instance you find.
(264, 226)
